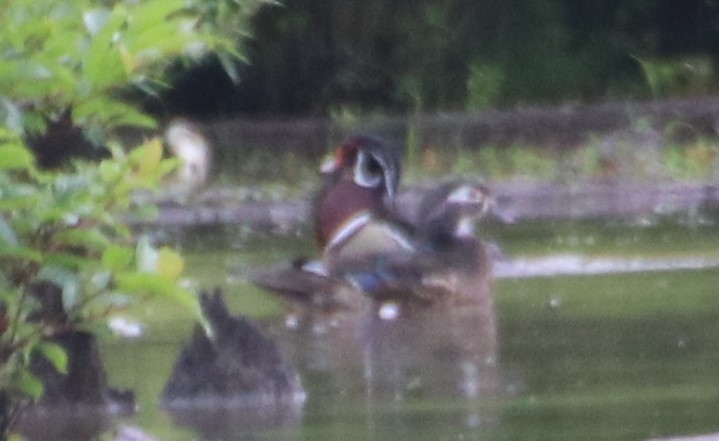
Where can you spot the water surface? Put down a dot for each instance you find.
(611, 356)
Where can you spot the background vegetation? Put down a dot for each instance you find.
(313, 57)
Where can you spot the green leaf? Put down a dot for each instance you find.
(34, 121)
(11, 203)
(8, 236)
(101, 280)
(117, 258)
(111, 300)
(146, 256)
(95, 19)
(79, 62)
(147, 158)
(21, 253)
(30, 385)
(8, 136)
(103, 64)
(229, 65)
(55, 354)
(110, 112)
(148, 14)
(11, 114)
(156, 285)
(69, 260)
(14, 157)
(82, 237)
(111, 170)
(152, 284)
(168, 165)
(66, 280)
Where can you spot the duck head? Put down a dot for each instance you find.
(360, 180)
(448, 213)
(367, 162)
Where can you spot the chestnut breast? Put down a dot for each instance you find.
(341, 202)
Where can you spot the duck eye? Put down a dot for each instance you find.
(461, 195)
(368, 171)
(373, 166)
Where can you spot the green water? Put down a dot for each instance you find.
(611, 357)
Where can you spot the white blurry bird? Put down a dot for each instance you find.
(187, 143)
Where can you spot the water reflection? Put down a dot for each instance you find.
(64, 423)
(568, 264)
(375, 372)
(431, 352)
(442, 354)
(230, 424)
(623, 356)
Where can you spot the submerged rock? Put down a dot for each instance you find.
(85, 382)
(79, 404)
(236, 367)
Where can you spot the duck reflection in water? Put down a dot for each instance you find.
(430, 358)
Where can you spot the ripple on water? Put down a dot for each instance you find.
(579, 264)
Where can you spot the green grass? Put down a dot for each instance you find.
(287, 174)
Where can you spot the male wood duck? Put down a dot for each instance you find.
(353, 208)
(351, 216)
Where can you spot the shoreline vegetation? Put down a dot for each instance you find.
(609, 160)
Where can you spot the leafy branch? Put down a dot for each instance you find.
(67, 258)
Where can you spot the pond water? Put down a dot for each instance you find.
(611, 356)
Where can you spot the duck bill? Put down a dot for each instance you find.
(330, 164)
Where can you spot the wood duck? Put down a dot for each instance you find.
(309, 288)
(351, 217)
(353, 208)
(447, 214)
(447, 262)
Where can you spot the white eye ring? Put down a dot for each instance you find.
(362, 175)
(465, 195)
